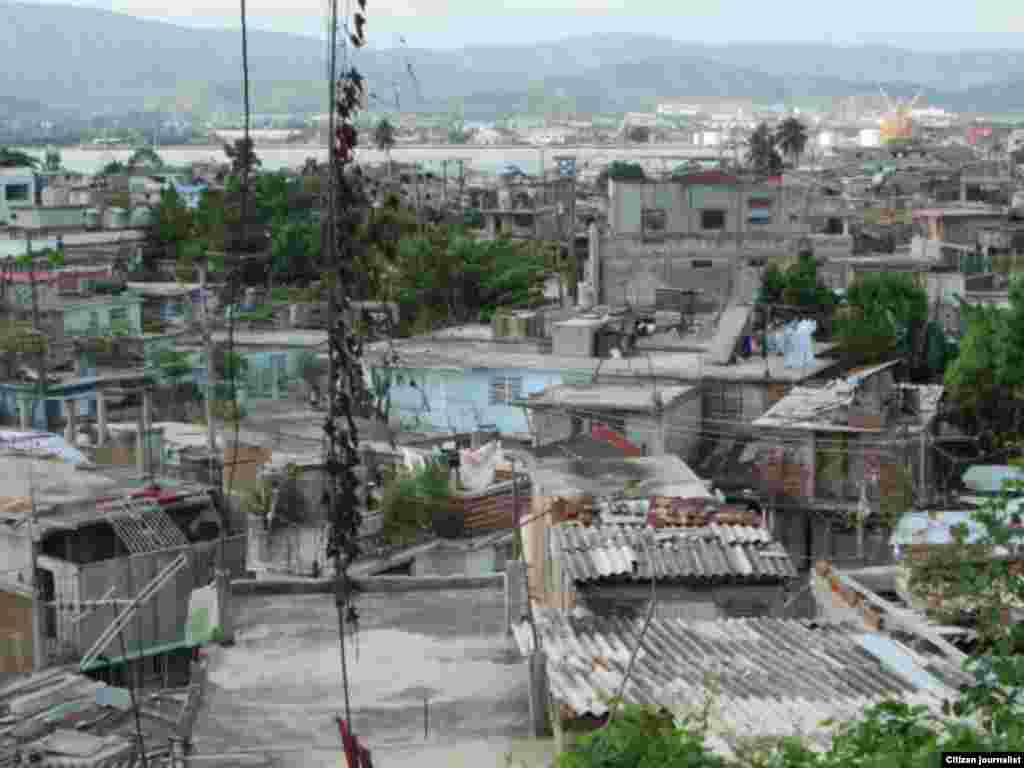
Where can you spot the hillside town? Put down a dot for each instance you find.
(708, 442)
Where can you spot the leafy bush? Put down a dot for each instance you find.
(412, 499)
(797, 286)
(885, 315)
(641, 737)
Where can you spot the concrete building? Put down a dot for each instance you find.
(450, 384)
(531, 208)
(651, 421)
(959, 225)
(100, 539)
(18, 189)
(694, 232)
(849, 446)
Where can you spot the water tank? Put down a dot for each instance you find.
(92, 219)
(140, 217)
(116, 218)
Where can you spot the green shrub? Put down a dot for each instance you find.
(412, 499)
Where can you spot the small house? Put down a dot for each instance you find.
(100, 542)
(849, 449)
(650, 420)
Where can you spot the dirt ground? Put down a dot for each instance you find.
(279, 687)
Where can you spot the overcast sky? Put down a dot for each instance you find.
(919, 24)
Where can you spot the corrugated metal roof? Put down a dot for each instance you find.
(773, 676)
(59, 717)
(711, 553)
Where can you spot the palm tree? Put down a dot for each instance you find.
(791, 138)
(761, 151)
(384, 138)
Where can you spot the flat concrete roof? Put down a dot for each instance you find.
(275, 338)
(453, 355)
(609, 397)
(279, 686)
(652, 476)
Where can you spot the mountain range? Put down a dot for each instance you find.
(88, 61)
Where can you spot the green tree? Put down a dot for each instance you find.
(972, 380)
(172, 222)
(113, 168)
(762, 155)
(885, 316)
(52, 160)
(791, 138)
(242, 156)
(413, 501)
(799, 285)
(639, 134)
(295, 249)
(145, 157)
(14, 158)
(384, 139)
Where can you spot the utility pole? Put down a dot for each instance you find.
(39, 655)
(41, 367)
(204, 319)
(335, 168)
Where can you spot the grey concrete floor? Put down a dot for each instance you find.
(280, 685)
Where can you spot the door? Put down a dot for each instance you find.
(48, 595)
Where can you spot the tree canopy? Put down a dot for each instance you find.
(145, 157)
(15, 158)
(384, 135)
(986, 381)
(242, 155)
(791, 138)
(885, 316)
(797, 286)
(761, 151)
(639, 134)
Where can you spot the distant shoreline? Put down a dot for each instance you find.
(454, 148)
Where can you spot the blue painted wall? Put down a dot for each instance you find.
(83, 391)
(461, 400)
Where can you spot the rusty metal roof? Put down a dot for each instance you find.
(713, 553)
(771, 676)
